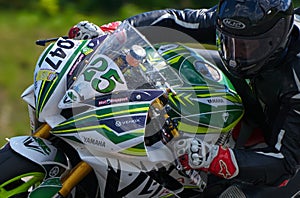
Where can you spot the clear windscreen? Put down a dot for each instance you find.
(124, 61)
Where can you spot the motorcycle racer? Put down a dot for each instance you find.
(257, 41)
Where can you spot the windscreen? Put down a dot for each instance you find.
(124, 61)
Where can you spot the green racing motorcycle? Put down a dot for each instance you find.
(106, 113)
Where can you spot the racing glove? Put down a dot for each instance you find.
(87, 30)
(195, 154)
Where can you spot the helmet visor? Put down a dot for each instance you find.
(245, 52)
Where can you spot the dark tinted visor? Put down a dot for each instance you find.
(249, 50)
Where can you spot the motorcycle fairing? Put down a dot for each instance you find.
(123, 97)
(48, 188)
(207, 101)
(28, 96)
(42, 152)
(55, 71)
(202, 111)
(92, 81)
(114, 128)
(121, 178)
(117, 129)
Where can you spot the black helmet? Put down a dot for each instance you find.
(252, 33)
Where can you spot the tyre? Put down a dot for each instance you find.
(18, 175)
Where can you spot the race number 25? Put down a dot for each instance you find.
(108, 75)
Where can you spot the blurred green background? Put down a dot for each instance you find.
(24, 22)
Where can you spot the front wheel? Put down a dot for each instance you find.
(18, 175)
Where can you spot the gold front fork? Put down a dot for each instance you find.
(77, 174)
(43, 131)
(160, 105)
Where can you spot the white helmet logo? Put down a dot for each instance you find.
(234, 24)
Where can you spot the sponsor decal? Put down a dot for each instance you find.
(165, 48)
(46, 75)
(93, 141)
(87, 50)
(70, 97)
(234, 24)
(120, 123)
(76, 64)
(224, 170)
(207, 70)
(112, 101)
(213, 101)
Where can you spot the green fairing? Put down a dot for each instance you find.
(35, 179)
(90, 121)
(48, 188)
(204, 103)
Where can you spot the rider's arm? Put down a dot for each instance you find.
(200, 23)
(287, 127)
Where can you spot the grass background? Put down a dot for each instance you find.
(18, 55)
(19, 29)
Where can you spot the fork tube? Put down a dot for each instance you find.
(81, 170)
(43, 131)
(159, 104)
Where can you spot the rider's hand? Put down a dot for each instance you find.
(194, 153)
(110, 27)
(85, 30)
(199, 155)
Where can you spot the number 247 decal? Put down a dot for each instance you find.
(111, 76)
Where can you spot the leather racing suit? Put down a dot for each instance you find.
(272, 102)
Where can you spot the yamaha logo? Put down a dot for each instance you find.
(234, 24)
(54, 171)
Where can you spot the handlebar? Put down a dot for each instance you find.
(43, 42)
